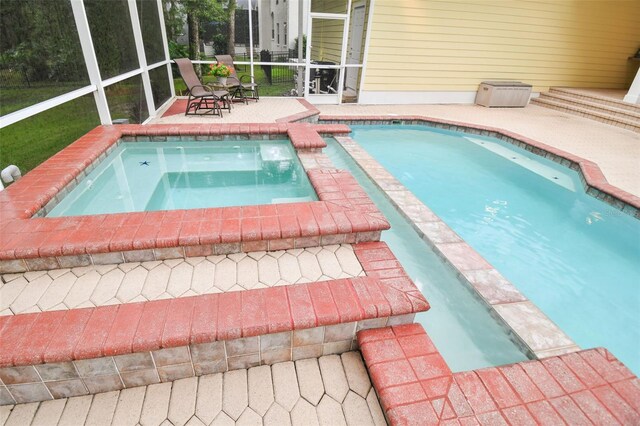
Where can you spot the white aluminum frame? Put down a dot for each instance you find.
(97, 84)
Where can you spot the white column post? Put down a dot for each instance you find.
(89, 53)
(343, 53)
(633, 95)
(251, 38)
(165, 41)
(142, 59)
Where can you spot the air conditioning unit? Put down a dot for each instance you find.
(503, 94)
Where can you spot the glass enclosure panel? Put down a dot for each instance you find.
(276, 80)
(329, 6)
(112, 35)
(151, 32)
(126, 100)
(29, 142)
(40, 53)
(324, 81)
(160, 85)
(226, 32)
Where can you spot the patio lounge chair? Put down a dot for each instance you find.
(239, 89)
(202, 98)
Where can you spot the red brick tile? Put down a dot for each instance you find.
(475, 392)
(346, 301)
(91, 342)
(145, 236)
(616, 405)
(630, 391)
(189, 234)
(148, 335)
(493, 418)
(381, 351)
(229, 315)
(419, 413)
(437, 388)
(301, 308)
(67, 335)
(254, 313)
(278, 314)
(342, 222)
(270, 227)
(430, 366)
(168, 236)
(500, 390)
(563, 375)
(519, 380)
(230, 231)
(416, 345)
(205, 319)
(401, 395)
(408, 329)
(597, 413)
(289, 227)
(372, 335)
(569, 411)
(177, 327)
(607, 370)
(392, 373)
(210, 232)
(15, 330)
(458, 400)
(250, 229)
(365, 299)
(32, 348)
(398, 301)
(544, 414)
(120, 338)
(323, 305)
(582, 370)
(542, 379)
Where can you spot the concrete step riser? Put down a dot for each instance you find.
(592, 106)
(595, 99)
(614, 121)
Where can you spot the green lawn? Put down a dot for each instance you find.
(31, 141)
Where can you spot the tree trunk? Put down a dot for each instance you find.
(231, 43)
(194, 40)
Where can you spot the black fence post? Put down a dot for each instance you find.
(265, 56)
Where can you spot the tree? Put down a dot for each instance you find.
(198, 11)
(231, 17)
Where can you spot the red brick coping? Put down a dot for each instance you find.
(416, 387)
(593, 179)
(344, 214)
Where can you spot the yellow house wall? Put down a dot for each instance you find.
(428, 45)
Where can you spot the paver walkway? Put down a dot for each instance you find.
(331, 390)
(101, 285)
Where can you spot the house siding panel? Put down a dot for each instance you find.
(454, 45)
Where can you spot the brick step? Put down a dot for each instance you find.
(93, 286)
(332, 389)
(60, 353)
(587, 113)
(613, 111)
(594, 98)
(416, 387)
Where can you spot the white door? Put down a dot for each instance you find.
(355, 46)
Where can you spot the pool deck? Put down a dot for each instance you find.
(218, 312)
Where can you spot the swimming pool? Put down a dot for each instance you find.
(148, 176)
(575, 257)
(458, 323)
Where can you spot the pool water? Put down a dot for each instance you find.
(575, 257)
(147, 176)
(458, 323)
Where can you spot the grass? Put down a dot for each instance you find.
(266, 89)
(29, 142)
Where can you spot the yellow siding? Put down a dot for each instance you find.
(326, 39)
(454, 45)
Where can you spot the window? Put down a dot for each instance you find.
(278, 32)
(285, 33)
(273, 34)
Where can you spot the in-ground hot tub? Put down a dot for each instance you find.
(150, 176)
